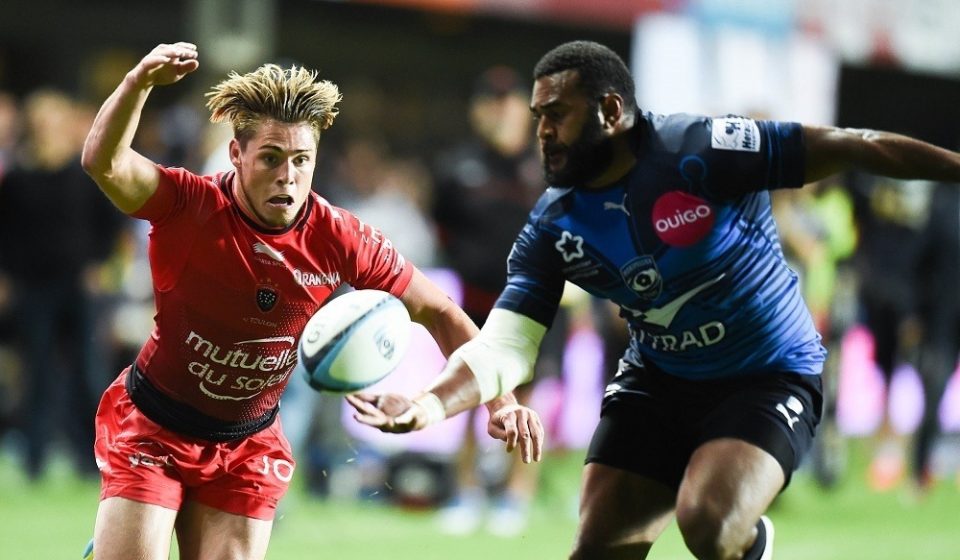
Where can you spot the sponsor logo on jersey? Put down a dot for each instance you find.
(663, 315)
(735, 133)
(264, 249)
(266, 298)
(570, 246)
(702, 336)
(585, 268)
(314, 279)
(641, 276)
(141, 459)
(681, 219)
(266, 368)
(371, 235)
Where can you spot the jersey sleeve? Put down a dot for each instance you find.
(534, 278)
(371, 261)
(178, 191)
(745, 155)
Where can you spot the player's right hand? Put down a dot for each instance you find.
(389, 412)
(166, 64)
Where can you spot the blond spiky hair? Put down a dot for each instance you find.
(270, 92)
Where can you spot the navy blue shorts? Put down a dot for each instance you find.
(652, 422)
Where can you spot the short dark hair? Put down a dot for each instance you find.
(601, 70)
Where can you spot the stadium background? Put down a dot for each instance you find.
(406, 69)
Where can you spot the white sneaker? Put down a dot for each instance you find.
(768, 547)
(508, 517)
(463, 515)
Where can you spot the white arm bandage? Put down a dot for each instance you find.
(503, 354)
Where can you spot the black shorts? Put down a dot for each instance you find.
(652, 422)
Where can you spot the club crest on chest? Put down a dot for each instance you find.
(266, 298)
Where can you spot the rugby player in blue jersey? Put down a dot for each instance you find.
(718, 396)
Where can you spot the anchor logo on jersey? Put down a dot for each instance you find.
(642, 276)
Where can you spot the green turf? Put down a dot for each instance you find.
(54, 519)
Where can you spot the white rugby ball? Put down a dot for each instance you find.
(354, 340)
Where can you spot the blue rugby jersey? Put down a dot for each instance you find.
(686, 245)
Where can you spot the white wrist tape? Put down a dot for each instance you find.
(432, 407)
(502, 356)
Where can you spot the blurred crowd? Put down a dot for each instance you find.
(76, 297)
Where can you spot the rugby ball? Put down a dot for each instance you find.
(353, 341)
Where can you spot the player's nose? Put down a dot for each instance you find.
(287, 173)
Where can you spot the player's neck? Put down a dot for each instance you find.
(621, 164)
(247, 209)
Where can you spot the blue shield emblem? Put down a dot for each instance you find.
(643, 278)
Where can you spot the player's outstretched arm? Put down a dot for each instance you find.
(832, 150)
(518, 426)
(126, 177)
(457, 388)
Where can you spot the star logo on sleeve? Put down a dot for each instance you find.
(570, 246)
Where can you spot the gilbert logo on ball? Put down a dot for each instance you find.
(354, 341)
(681, 219)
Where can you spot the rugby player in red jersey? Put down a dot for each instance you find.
(188, 437)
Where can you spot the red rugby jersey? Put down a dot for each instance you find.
(232, 298)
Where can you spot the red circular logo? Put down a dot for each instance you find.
(681, 219)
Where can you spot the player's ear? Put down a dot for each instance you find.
(611, 109)
(235, 152)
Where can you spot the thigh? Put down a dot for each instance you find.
(621, 514)
(729, 483)
(127, 529)
(205, 532)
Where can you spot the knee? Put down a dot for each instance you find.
(708, 532)
(597, 551)
(603, 546)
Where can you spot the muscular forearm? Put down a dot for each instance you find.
(832, 150)
(114, 127)
(901, 157)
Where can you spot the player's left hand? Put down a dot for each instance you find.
(519, 426)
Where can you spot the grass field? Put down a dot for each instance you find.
(54, 519)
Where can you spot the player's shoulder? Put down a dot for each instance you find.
(184, 176)
(550, 205)
(701, 134)
(677, 132)
(327, 218)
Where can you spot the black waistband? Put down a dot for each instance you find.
(186, 420)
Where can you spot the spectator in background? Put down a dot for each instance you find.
(819, 237)
(890, 215)
(10, 375)
(55, 231)
(9, 128)
(485, 187)
(938, 304)
(392, 192)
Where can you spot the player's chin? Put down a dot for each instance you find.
(280, 214)
(554, 162)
